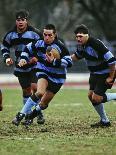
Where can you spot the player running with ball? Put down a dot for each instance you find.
(53, 60)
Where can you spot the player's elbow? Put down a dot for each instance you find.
(69, 64)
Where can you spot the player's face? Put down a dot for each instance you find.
(81, 38)
(49, 36)
(21, 24)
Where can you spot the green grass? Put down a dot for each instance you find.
(66, 131)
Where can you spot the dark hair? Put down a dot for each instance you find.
(22, 14)
(50, 27)
(81, 29)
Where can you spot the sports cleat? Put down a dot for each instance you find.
(27, 120)
(16, 121)
(40, 118)
(101, 124)
(27, 123)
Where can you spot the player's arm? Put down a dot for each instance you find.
(25, 55)
(112, 74)
(109, 58)
(111, 61)
(5, 49)
(74, 57)
(53, 56)
(77, 55)
(112, 71)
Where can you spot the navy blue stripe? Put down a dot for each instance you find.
(53, 75)
(98, 67)
(112, 60)
(18, 41)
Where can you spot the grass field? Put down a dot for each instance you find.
(67, 129)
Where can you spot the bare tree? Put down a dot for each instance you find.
(65, 14)
(104, 12)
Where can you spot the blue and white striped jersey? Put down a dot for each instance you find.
(56, 71)
(97, 56)
(17, 41)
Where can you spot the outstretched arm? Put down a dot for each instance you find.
(74, 57)
(112, 74)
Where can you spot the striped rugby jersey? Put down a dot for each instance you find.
(97, 56)
(55, 71)
(17, 41)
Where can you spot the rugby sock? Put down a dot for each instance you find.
(25, 99)
(38, 108)
(100, 110)
(111, 96)
(29, 104)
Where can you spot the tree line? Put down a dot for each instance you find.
(99, 16)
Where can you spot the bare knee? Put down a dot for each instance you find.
(43, 105)
(45, 100)
(90, 93)
(33, 87)
(39, 94)
(97, 98)
(27, 91)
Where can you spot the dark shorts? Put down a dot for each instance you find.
(25, 79)
(97, 83)
(52, 86)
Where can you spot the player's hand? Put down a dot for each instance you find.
(109, 81)
(33, 60)
(22, 62)
(9, 61)
(49, 57)
(1, 107)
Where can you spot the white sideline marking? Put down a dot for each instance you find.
(11, 105)
(18, 138)
(71, 104)
(25, 138)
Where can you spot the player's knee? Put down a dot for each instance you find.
(27, 91)
(34, 87)
(43, 106)
(39, 94)
(90, 96)
(97, 99)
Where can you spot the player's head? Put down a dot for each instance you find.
(81, 33)
(22, 19)
(49, 33)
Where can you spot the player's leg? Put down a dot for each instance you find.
(40, 116)
(37, 112)
(1, 107)
(47, 97)
(52, 89)
(34, 80)
(33, 100)
(25, 83)
(98, 107)
(110, 96)
(97, 102)
(97, 98)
